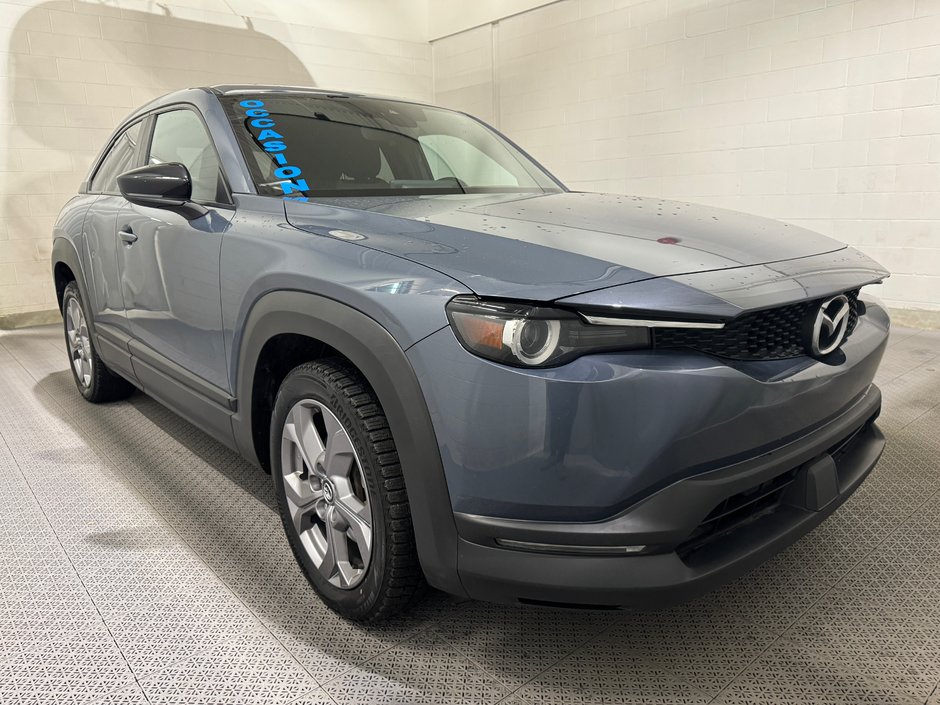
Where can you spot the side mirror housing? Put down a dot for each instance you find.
(166, 186)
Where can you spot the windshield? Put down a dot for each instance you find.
(299, 146)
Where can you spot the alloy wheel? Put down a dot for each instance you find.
(326, 493)
(79, 343)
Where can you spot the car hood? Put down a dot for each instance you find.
(550, 246)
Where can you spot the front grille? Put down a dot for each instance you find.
(773, 334)
(738, 510)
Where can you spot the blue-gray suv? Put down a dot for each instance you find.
(459, 372)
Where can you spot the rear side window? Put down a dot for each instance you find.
(180, 136)
(120, 158)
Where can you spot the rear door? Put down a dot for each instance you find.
(102, 248)
(170, 265)
(100, 232)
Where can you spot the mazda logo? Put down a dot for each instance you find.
(328, 493)
(829, 326)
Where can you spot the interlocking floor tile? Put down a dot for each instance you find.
(167, 633)
(63, 677)
(131, 695)
(232, 674)
(890, 643)
(789, 674)
(771, 597)
(514, 643)
(422, 670)
(703, 645)
(599, 674)
(328, 645)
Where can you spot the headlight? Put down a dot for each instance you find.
(534, 336)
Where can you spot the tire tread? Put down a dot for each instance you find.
(403, 579)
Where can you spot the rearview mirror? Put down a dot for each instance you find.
(167, 186)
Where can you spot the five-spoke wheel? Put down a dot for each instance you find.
(76, 334)
(326, 492)
(341, 493)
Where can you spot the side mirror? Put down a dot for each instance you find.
(167, 186)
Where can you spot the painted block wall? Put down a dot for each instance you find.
(70, 71)
(821, 113)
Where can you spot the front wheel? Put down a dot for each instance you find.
(341, 494)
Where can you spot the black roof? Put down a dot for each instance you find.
(254, 88)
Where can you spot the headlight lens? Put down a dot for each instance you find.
(534, 336)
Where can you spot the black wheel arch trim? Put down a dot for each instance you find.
(64, 252)
(378, 356)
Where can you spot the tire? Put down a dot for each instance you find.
(327, 488)
(94, 380)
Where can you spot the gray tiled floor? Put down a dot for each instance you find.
(140, 562)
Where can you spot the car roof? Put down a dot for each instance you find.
(187, 95)
(234, 89)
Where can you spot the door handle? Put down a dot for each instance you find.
(127, 236)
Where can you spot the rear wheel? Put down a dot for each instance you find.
(341, 493)
(94, 380)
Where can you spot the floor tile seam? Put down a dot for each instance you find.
(517, 689)
(141, 680)
(413, 635)
(146, 678)
(316, 691)
(258, 617)
(877, 545)
(79, 423)
(757, 657)
(935, 691)
(919, 417)
(599, 636)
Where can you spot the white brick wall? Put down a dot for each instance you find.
(822, 113)
(69, 71)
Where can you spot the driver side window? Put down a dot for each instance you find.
(180, 136)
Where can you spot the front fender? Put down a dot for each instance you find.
(372, 349)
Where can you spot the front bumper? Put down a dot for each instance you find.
(703, 530)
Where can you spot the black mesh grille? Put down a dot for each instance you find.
(737, 511)
(773, 334)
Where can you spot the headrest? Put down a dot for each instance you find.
(360, 157)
